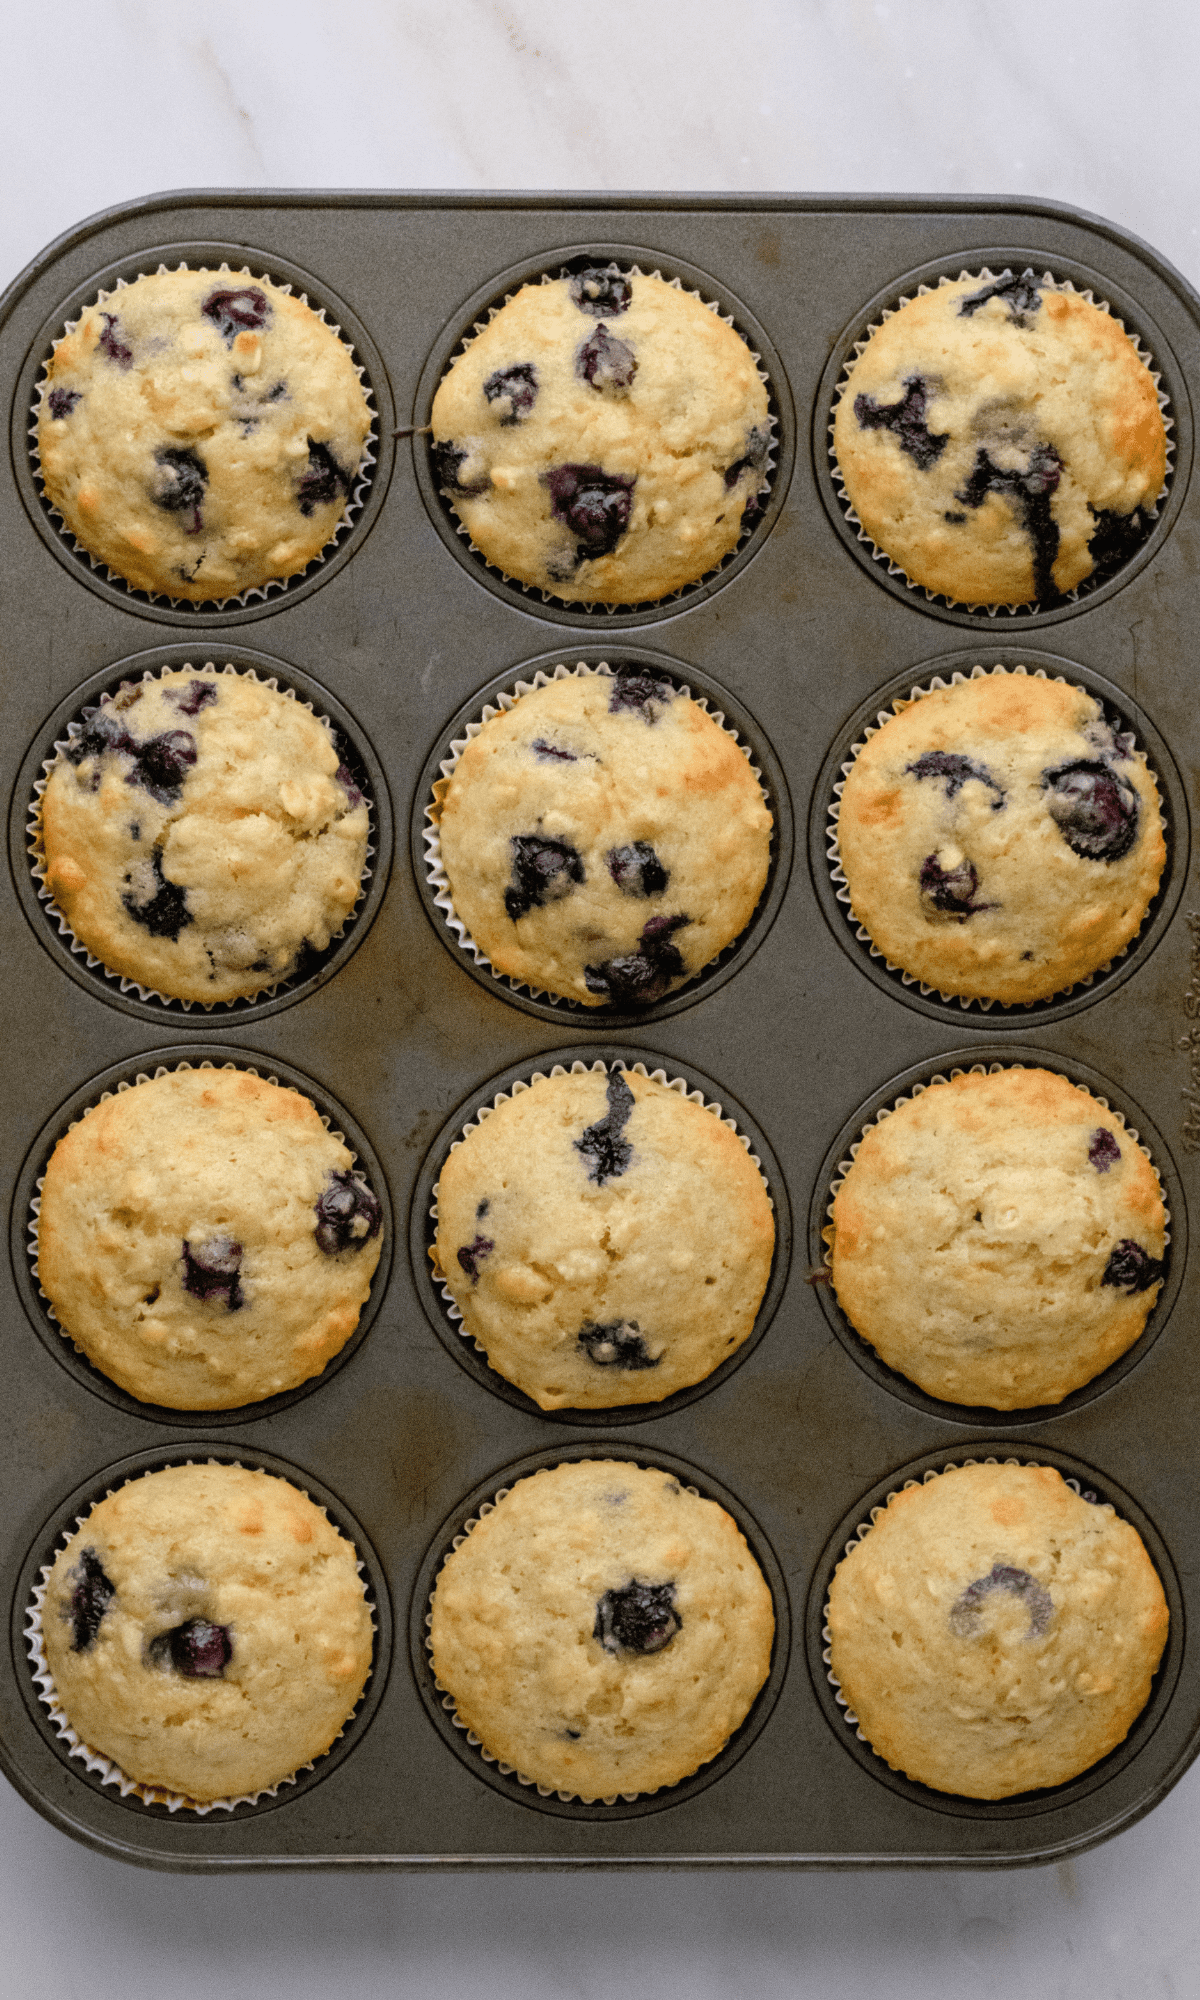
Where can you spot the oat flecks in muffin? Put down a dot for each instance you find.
(603, 1630)
(1001, 442)
(201, 435)
(606, 1239)
(604, 838)
(999, 840)
(995, 1633)
(604, 437)
(200, 836)
(194, 1239)
(230, 1642)
(999, 1239)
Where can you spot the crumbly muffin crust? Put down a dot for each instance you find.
(999, 1239)
(607, 1240)
(999, 841)
(205, 1240)
(1001, 440)
(604, 437)
(200, 833)
(994, 1632)
(201, 432)
(604, 838)
(208, 1630)
(603, 1630)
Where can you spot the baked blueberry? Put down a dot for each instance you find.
(345, 778)
(198, 1650)
(616, 1343)
(640, 1618)
(234, 312)
(1115, 538)
(551, 754)
(1103, 1151)
(517, 386)
(641, 977)
(91, 1594)
(607, 1154)
(951, 890)
(1022, 296)
(754, 459)
(642, 691)
(595, 505)
(325, 480)
(603, 294)
(965, 1614)
(348, 1213)
(211, 1271)
(637, 870)
(180, 482)
(543, 871)
(1095, 810)
(471, 1255)
(448, 462)
(1030, 492)
(191, 699)
(955, 771)
(63, 401)
(110, 342)
(158, 905)
(605, 361)
(1132, 1269)
(162, 763)
(908, 422)
(103, 730)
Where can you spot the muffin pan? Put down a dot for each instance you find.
(400, 635)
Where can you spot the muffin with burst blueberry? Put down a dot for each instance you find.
(602, 1629)
(1002, 440)
(207, 1629)
(1000, 1240)
(1000, 839)
(201, 432)
(206, 1240)
(604, 838)
(201, 835)
(605, 437)
(606, 1239)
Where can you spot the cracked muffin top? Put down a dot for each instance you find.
(602, 1629)
(995, 1632)
(999, 839)
(205, 1239)
(1001, 441)
(604, 838)
(999, 1239)
(208, 1630)
(201, 432)
(201, 836)
(606, 1239)
(604, 437)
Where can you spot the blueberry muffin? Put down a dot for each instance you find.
(201, 432)
(205, 1239)
(201, 836)
(999, 1239)
(207, 1630)
(999, 840)
(994, 1632)
(605, 437)
(604, 838)
(1001, 441)
(606, 1239)
(602, 1629)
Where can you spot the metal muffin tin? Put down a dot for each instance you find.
(397, 636)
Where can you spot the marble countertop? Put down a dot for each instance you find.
(1084, 101)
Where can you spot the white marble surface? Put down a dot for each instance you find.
(1089, 101)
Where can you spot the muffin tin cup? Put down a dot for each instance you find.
(370, 480)
(27, 1207)
(28, 860)
(980, 1061)
(42, 1695)
(501, 694)
(1091, 1485)
(441, 1707)
(446, 1319)
(1152, 350)
(833, 892)
(629, 261)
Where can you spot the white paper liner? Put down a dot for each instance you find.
(987, 277)
(275, 584)
(151, 1076)
(578, 1068)
(451, 1706)
(769, 467)
(864, 1528)
(37, 862)
(439, 881)
(1127, 738)
(109, 1772)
